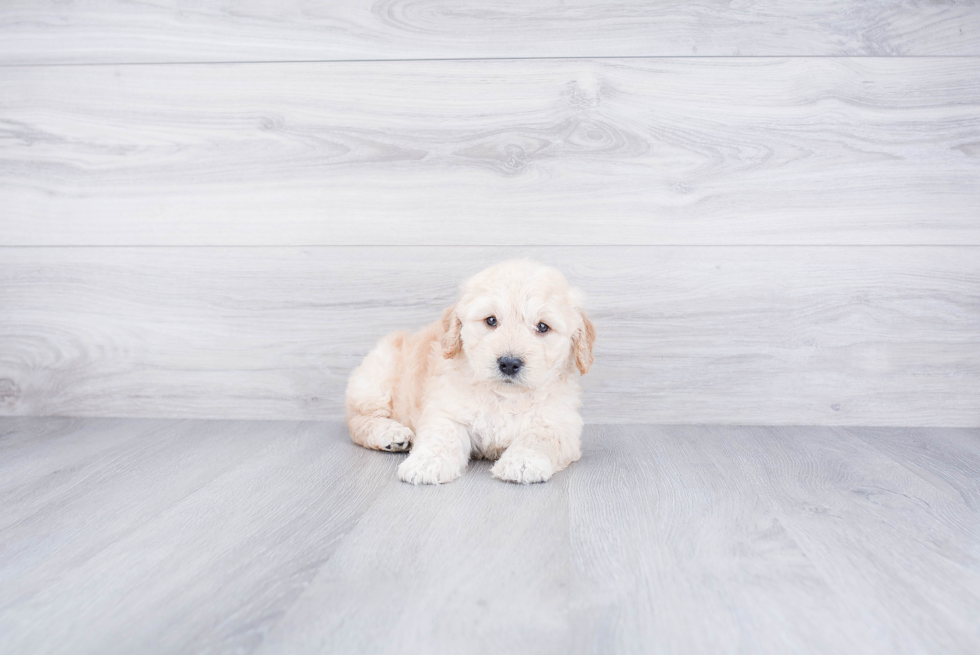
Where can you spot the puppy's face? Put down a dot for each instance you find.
(519, 325)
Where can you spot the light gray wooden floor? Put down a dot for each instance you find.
(126, 535)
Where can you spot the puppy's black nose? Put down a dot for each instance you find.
(510, 365)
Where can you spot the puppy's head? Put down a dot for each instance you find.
(519, 325)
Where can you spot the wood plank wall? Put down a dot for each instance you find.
(213, 210)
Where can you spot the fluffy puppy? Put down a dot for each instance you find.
(495, 378)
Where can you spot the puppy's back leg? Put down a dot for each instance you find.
(369, 396)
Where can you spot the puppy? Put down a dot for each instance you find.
(495, 378)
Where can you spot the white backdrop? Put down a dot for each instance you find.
(216, 214)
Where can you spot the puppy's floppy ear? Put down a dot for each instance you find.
(451, 340)
(582, 345)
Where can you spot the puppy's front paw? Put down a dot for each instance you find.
(524, 467)
(427, 468)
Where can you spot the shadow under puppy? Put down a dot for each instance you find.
(495, 378)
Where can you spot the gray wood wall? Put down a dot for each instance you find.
(215, 210)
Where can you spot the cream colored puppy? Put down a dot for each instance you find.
(495, 378)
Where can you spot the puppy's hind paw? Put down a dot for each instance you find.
(393, 437)
(523, 468)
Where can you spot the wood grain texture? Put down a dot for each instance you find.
(474, 567)
(927, 587)
(675, 551)
(707, 539)
(264, 537)
(775, 335)
(947, 458)
(193, 537)
(175, 31)
(677, 151)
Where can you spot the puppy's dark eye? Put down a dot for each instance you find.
(542, 328)
(491, 321)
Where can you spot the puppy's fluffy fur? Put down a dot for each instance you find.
(444, 393)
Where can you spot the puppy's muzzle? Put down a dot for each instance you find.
(509, 365)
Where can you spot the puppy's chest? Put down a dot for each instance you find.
(491, 432)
